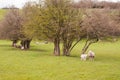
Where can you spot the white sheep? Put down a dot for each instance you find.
(83, 57)
(91, 55)
(22, 47)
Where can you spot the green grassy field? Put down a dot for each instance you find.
(39, 63)
(2, 13)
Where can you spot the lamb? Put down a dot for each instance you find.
(83, 57)
(22, 47)
(91, 55)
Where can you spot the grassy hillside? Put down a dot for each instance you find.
(2, 13)
(39, 64)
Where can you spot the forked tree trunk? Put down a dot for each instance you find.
(64, 47)
(87, 44)
(67, 44)
(68, 47)
(25, 44)
(28, 44)
(66, 50)
(57, 47)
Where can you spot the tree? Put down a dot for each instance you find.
(11, 25)
(116, 21)
(53, 19)
(56, 21)
(70, 31)
(97, 26)
(29, 13)
(97, 4)
(50, 21)
(1, 31)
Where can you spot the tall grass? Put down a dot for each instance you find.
(38, 63)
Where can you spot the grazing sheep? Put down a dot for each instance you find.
(91, 55)
(22, 47)
(83, 57)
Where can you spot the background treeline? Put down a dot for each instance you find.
(97, 4)
(61, 22)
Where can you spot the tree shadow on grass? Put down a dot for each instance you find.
(37, 50)
(10, 48)
(5, 45)
(73, 56)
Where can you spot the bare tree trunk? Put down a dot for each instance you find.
(75, 44)
(66, 51)
(14, 43)
(25, 44)
(87, 44)
(85, 47)
(66, 47)
(57, 47)
(28, 44)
